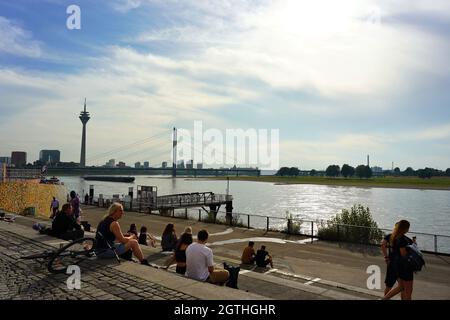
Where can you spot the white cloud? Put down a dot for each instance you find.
(325, 46)
(130, 96)
(438, 132)
(126, 5)
(17, 41)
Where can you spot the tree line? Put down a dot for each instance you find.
(363, 171)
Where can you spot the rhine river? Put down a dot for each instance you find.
(427, 210)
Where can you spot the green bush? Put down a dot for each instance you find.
(356, 226)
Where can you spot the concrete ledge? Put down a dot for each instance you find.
(352, 288)
(200, 290)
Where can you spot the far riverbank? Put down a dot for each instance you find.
(435, 183)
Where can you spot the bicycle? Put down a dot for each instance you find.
(70, 254)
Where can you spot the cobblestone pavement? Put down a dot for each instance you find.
(30, 280)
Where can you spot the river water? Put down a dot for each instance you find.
(427, 210)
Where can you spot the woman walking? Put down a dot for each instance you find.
(399, 242)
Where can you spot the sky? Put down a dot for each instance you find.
(338, 79)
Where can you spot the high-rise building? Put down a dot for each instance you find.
(84, 117)
(146, 164)
(137, 165)
(49, 156)
(190, 164)
(18, 158)
(6, 160)
(111, 163)
(199, 165)
(180, 164)
(121, 164)
(164, 164)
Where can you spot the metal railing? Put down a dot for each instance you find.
(19, 174)
(427, 242)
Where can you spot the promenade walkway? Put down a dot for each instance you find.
(302, 269)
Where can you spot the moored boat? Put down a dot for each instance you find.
(110, 178)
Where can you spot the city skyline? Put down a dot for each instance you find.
(340, 80)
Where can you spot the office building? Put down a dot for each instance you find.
(18, 159)
(111, 163)
(49, 156)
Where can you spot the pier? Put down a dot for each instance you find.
(147, 200)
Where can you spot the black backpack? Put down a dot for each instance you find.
(234, 273)
(413, 260)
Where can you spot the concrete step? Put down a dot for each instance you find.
(313, 286)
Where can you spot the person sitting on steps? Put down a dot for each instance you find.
(109, 234)
(261, 260)
(132, 230)
(248, 256)
(144, 236)
(200, 262)
(169, 238)
(64, 226)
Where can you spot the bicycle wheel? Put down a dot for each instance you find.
(71, 254)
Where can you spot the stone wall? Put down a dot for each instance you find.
(16, 196)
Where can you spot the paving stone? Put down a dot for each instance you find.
(30, 280)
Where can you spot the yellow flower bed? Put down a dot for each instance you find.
(16, 196)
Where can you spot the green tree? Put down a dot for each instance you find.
(409, 172)
(369, 172)
(283, 171)
(363, 171)
(313, 172)
(397, 171)
(293, 172)
(356, 226)
(426, 173)
(447, 172)
(347, 171)
(333, 171)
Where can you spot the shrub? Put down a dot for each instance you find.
(356, 226)
(293, 226)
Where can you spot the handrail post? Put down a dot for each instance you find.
(338, 235)
(185, 213)
(312, 231)
(289, 226)
(267, 224)
(435, 243)
(248, 221)
(199, 215)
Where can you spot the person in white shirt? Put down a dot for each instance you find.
(200, 264)
(54, 207)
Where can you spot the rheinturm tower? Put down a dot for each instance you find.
(84, 117)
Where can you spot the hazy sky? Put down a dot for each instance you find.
(339, 79)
